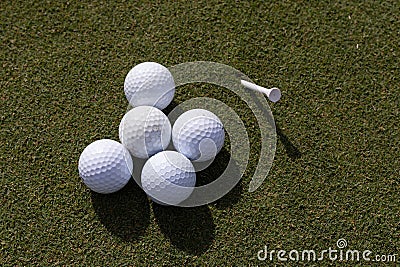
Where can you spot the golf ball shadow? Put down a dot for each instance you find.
(125, 214)
(188, 229)
(214, 171)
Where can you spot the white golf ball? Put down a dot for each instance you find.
(105, 166)
(145, 131)
(149, 84)
(198, 134)
(168, 178)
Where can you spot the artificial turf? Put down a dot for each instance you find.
(336, 169)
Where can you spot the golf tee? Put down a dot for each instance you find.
(273, 94)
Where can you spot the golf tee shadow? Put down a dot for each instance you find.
(291, 150)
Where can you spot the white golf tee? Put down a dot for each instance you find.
(273, 94)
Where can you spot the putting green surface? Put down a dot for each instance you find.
(336, 169)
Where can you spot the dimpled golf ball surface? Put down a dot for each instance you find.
(149, 84)
(198, 134)
(105, 166)
(145, 131)
(168, 178)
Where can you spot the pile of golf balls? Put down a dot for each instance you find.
(167, 177)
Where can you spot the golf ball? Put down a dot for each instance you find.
(145, 131)
(105, 166)
(149, 84)
(168, 178)
(198, 134)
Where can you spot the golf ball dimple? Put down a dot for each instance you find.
(105, 166)
(149, 84)
(145, 131)
(168, 178)
(198, 134)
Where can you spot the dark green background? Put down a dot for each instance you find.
(336, 170)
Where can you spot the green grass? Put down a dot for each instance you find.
(336, 170)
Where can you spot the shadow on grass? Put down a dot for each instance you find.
(126, 213)
(192, 229)
(231, 198)
(291, 150)
(189, 229)
(215, 170)
(170, 107)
